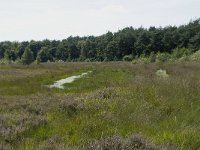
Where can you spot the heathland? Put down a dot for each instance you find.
(120, 105)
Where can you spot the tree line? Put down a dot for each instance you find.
(107, 47)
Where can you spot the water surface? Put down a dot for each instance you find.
(60, 83)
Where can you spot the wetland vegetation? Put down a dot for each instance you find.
(120, 105)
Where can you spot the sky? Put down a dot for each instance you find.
(58, 19)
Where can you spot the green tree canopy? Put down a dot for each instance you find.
(27, 57)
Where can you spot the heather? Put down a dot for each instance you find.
(119, 105)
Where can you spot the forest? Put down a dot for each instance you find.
(108, 47)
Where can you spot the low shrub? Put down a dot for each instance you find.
(162, 57)
(181, 52)
(128, 58)
(133, 142)
(195, 56)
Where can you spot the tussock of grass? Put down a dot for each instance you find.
(162, 73)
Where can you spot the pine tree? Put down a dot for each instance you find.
(27, 57)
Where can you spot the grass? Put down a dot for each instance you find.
(112, 105)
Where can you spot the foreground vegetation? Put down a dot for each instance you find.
(118, 106)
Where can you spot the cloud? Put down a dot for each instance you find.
(39, 19)
(108, 10)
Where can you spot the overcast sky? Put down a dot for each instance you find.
(58, 19)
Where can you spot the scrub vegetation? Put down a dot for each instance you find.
(119, 106)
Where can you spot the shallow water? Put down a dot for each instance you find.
(59, 84)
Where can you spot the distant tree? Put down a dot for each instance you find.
(73, 51)
(170, 38)
(142, 44)
(195, 42)
(111, 46)
(27, 57)
(3, 47)
(62, 52)
(45, 55)
(156, 43)
(126, 40)
(111, 50)
(10, 55)
(35, 47)
(83, 50)
(20, 50)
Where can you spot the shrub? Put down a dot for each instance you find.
(181, 52)
(133, 142)
(106, 93)
(17, 61)
(128, 58)
(143, 60)
(162, 57)
(184, 58)
(71, 107)
(152, 57)
(140, 60)
(59, 61)
(81, 58)
(27, 57)
(112, 143)
(87, 60)
(5, 61)
(195, 56)
(138, 142)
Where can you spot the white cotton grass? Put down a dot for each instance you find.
(162, 73)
